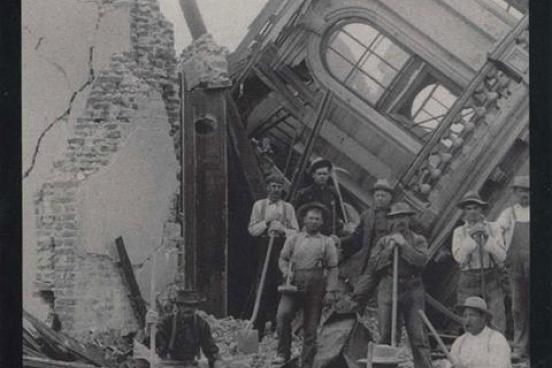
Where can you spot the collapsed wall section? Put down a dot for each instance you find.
(114, 168)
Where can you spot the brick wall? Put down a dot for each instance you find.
(90, 294)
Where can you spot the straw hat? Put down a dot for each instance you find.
(471, 197)
(302, 211)
(475, 302)
(521, 182)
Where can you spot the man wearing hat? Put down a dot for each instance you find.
(181, 335)
(413, 255)
(309, 260)
(514, 223)
(356, 248)
(478, 248)
(271, 216)
(480, 346)
(320, 191)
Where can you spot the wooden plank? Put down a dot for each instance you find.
(244, 150)
(137, 302)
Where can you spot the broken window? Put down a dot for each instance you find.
(364, 60)
(393, 80)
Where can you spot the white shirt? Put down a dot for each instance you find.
(508, 219)
(279, 210)
(488, 349)
(466, 251)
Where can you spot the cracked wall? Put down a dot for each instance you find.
(100, 153)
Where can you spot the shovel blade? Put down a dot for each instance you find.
(248, 341)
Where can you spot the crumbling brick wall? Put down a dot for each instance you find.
(139, 84)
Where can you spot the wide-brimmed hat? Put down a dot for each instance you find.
(521, 182)
(400, 208)
(274, 178)
(302, 211)
(318, 163)
(471, 197)
(382, 184)
(385, 354)
(475, 302)
(188, 297)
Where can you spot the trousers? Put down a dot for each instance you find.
(309, 299)
(517, 263)
(411, 299)
(269, 299)
(469, 284)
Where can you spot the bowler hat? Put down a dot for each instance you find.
(471, 197)
(382, 184)
(302, 211)
(318, 163)
(400, 208)
(188, 297)
(475, 302)
(274, 179)
(521, 182)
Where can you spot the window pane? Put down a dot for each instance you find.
(348, 47)
(365, 86)
(435, 108)
(391, 53)
(339, 67)
(444, 96)
(378, 69)
(362, 32)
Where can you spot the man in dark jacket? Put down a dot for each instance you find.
(181, 335)
(322, 192)
(413, 255)
(356, 248)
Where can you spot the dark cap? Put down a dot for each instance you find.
(318, 163)
(188, 297)
(400, 208)
(274, 178)
(382, 184)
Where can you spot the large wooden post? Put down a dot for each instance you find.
(205, 183)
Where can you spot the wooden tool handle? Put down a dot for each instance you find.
(436, 335)
(395, 296)
(262, 280)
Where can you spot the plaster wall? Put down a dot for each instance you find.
(100, 154)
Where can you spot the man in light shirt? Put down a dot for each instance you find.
(514, 223)
(271, 216)
(309, 259)
(480, 346)
(478, 248)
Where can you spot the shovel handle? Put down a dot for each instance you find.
(395, 296)
(262, 281)
(436, 335)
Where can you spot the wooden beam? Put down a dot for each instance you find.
(136, 300)
(193, 18)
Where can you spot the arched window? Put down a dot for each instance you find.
(364, 59)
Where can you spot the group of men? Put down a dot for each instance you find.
(325, 259)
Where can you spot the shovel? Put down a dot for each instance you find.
(373, 348)
(288, 288)
(248, 338)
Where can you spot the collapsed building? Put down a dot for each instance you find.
(123, 138)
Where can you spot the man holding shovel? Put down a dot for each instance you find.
(308, 261)
(271, 218)
(399, 258)
(478, 248)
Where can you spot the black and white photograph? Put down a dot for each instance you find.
(276, 183)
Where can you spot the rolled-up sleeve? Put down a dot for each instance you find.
(331, 264)
(294, 225)
(285, 254)
(257, 224)
(416, 253)
(495, 243)
(462, 246)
